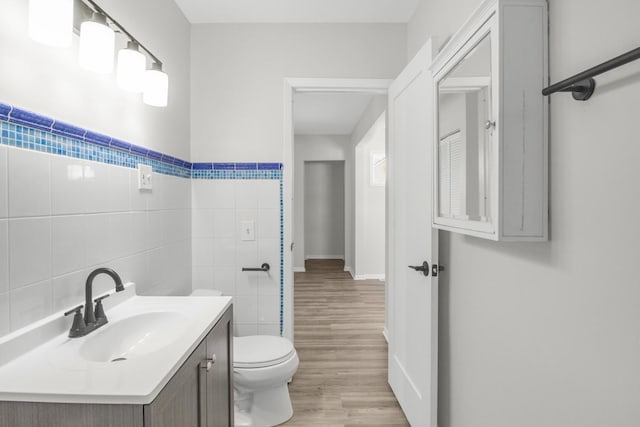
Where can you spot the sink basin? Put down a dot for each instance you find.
(133, 336)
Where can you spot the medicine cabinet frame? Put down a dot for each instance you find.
(512, 153)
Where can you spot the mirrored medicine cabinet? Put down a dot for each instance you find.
(491, 120)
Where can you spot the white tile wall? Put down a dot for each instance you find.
(246, 194)
(29, 251)
(68, 187)
(5, 314)
(269, 329)
(224, 280)
(4, 256)
(224, 252)
(4, 188)
(62, 217)
(68, 239)
(29, 183)
(67, 290)
(31, 303)
(219, 206)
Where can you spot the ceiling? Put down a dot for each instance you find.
(298, 11)
(328, 113)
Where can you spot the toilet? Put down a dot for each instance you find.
(263, 365)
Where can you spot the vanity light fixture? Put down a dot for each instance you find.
(97, 42)
(156, 86)
(51, 22)
(131, 69)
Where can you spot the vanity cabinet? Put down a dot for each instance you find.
(200, 394)
(491, 124)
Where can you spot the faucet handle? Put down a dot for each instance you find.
(74, 310)
(78, 327)
(99, 309)
(99, 299)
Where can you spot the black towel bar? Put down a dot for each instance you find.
(582, 84)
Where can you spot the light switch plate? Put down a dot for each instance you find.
(247, 230)
(145, 177)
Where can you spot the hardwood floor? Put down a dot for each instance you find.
(342, 378)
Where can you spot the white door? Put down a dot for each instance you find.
(412, 296)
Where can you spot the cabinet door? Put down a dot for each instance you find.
(219, 344)
(178, 404)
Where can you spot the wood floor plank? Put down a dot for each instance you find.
(342, 378)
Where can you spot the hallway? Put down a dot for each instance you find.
(342, 378)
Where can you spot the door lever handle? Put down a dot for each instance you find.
(424, 268)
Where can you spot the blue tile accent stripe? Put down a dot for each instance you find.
(4, 111)
(25, 129)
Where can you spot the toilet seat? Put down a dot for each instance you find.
(260, 351)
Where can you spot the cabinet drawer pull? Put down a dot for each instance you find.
(207, 364)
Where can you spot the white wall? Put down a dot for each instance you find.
(219, 207)
(370, 207)
(324, 213)
(238, 71)
(546, 334)
(54, 230)
(50, 82)
(377, 106)
(314, 148)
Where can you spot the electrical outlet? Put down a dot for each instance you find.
(145, 177)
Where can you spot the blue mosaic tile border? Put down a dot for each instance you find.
(236, 174)
(31, 131)
(24, 129)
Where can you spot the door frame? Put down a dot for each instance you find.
(291, 87)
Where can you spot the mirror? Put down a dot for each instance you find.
(464, 134)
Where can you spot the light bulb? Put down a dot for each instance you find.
(97, 42)
(131, 68)
(156, 86)
(51, 22)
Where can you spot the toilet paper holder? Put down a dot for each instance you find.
(264, 267)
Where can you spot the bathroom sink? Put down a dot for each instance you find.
(127, 361)
(133, 336)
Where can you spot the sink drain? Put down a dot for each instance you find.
(119, 359)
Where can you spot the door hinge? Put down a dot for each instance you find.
(435, 268)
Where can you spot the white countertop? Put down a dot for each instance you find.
(50, 369)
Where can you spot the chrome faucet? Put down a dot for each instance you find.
(93, 317)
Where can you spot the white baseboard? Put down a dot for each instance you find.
(299, 270)
(348, 270)
(385, 334)
(380, 277)
(324, 257)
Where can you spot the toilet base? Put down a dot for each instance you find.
(263, 408)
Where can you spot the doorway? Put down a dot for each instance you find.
(292, 88)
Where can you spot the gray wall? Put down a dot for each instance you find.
(324, 209)
(238, 72)
(549, 334)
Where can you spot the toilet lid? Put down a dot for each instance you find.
(258, 351)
